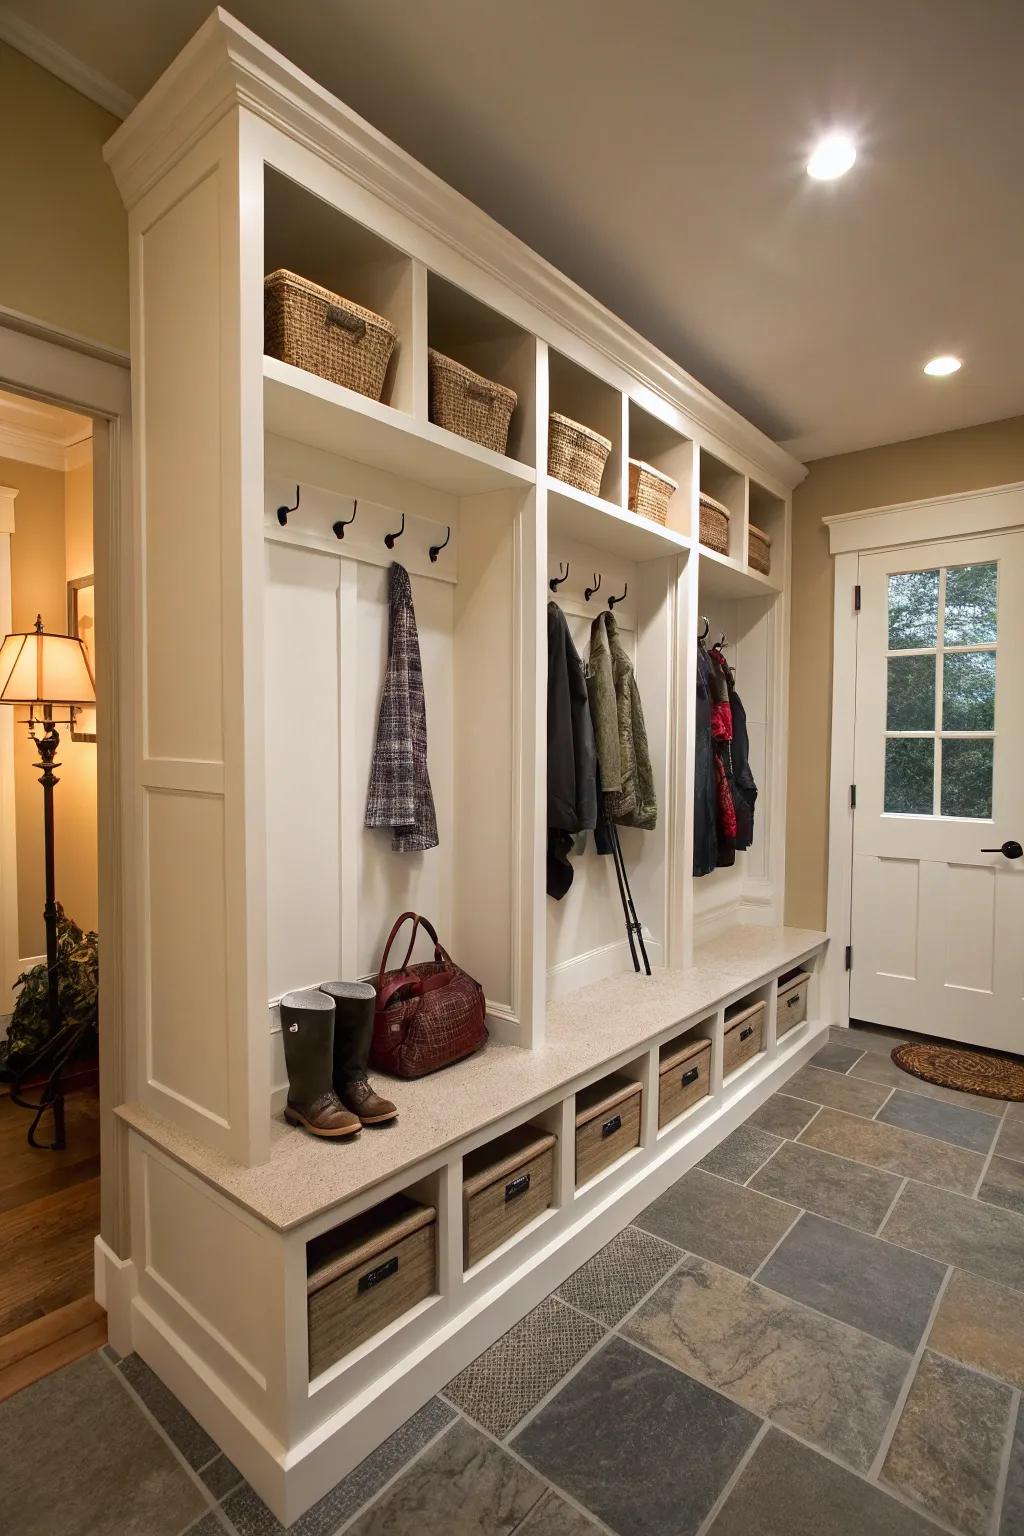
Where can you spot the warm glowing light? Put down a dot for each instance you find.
(939, 367)
(832, 156)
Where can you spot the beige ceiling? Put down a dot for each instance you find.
(654, 151)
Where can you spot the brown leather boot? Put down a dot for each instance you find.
(307, 1028)
(353, 1031)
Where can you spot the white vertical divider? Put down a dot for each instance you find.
(532, 733)
(350, 810)
(418, 399)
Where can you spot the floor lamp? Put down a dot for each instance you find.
(44, 673)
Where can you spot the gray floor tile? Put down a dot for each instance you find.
(948, 1446)
(251, 1517)
(511, 1377)
(980, 1238)
(872, 1285)
(719, 1220)
(620, 1275)
(902, 1152)
(877, 1067)
(465, 1485)
(1003, 1184)
(1012, 1522)
(981, 1324)
(830, 1186)
(783, 1116)
(1011, 1139)
(645, 1448)
(853, 1095)
(78, 1458)
(209, 1525)
(946, 1122)
(554, 1517)
(788, 1490)
(836, 1058)
(173, 1417)
(869, 1037)
(221, 1476)
(741, 1154)
(827, 1383)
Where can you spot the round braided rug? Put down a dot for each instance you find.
(984, 1073)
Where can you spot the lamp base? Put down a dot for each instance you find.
(58, 1052)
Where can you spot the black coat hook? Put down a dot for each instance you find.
(435, 549)
(556, 581)
(707, 628)
(613, 600)
(588, 592)
(282, 512)
(390, 538)
(339, 527)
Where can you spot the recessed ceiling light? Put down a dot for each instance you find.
(832, 156)
(940, 366)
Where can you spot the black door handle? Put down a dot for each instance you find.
(1009, 850)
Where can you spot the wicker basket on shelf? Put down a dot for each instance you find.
(313, 328)
(650, 491)
(576, 454)
(714, 524)
(467, 403)
(759, 551)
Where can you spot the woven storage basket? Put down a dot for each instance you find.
(714, 524)
(650, 491)
(467, 403)
(759, 551)
(576, 454)
(313, 328)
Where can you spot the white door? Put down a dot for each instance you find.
(938, 910)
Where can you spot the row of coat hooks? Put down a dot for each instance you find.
(722, 643)
(588, 592)
(338, 527)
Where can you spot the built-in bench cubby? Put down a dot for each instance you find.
(791, 1001)
(684, 1073)
(308, 236)
(367, 1274)
(745, 1033)
(506, 1185)
(607, 1124)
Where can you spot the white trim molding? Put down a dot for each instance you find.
(962, 515)
(10, 965)
(42, 50)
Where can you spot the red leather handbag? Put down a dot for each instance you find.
(428, 1015)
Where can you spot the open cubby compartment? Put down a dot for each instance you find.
(335, 886)
(653, 441)
(583, 397)
(316, 240)
(524, 1192)
(586, 933)
(671, 1120)
(467, 330)
(743, 891)
(807, 979)
(750, 1013)
(614, 1119)
(768, 512)
(372, 1276)
(729, 486)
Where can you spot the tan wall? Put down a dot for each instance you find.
(39, 552)
(64, 252)
(968, 460)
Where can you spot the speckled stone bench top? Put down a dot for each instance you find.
(304, 1176)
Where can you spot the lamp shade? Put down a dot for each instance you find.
(40, 668)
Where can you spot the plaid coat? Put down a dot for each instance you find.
(399, 795)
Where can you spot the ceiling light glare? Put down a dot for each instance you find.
(832, 156)
(939, 367)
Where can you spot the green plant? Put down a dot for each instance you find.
(77, 990)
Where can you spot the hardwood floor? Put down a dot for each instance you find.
(49, 1216)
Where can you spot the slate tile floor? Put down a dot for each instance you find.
(819, 1331)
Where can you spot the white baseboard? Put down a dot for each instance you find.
(114, 1285)
(596, 965)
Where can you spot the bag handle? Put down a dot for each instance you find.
(416, 921)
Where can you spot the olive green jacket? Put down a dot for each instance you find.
(627, 780)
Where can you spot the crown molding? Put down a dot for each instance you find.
(225, 67)
(51, 56)
(961, 514)
(33, 433)
(8, 496)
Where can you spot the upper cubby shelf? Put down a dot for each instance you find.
(575, 515)
(304, 408)
(654, 442)
(479, 338)
(586, 399)
(724, 577)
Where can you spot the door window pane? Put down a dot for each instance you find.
(913, 609)
(911, 697)
(970, 604)
(968, 690)
(967, 778)
(909, 764)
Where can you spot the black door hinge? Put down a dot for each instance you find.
(853, 797)
(856, 598)
(849, 957)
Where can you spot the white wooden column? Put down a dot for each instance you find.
(8, 838)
